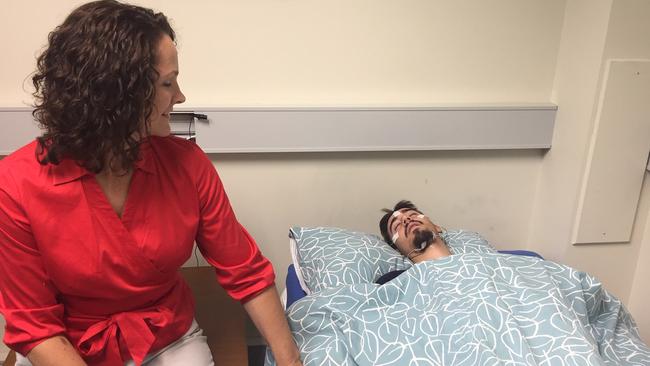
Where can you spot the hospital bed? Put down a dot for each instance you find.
(478, 306)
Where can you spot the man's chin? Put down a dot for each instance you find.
(423, 238)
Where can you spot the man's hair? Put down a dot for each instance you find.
(383, 223)
(95, 84)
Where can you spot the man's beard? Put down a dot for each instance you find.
(423, 238)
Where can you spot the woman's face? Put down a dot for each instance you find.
(168, 92)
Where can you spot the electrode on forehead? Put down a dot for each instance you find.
(396, 213)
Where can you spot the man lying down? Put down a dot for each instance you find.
(467, 309)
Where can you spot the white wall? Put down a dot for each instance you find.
(485, 191)
(575, 89)
(362, 52)
(311, 52)
(628, 37)
(593, 32)
(640, 293)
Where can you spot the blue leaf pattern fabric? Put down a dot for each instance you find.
(462, 241)
(331, 257)
(470, 309)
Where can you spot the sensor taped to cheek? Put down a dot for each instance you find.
(396, 235)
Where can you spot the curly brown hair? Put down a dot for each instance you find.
(95, 84)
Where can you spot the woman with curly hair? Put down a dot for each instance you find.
(98, 214)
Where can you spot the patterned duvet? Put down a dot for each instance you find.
(470, 309)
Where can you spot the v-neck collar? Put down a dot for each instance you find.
(98, 199)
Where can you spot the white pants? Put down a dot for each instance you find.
(191, 349)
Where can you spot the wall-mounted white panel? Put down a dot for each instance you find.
(242, 130)
(375, 129)
(618, 155)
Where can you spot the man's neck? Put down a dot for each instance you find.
(434, 251)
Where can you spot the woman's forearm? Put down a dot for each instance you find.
(55, 351)
(266, 312)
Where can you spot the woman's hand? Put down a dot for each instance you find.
(55, 351)
(295, 363)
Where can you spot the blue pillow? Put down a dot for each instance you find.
(329, 257)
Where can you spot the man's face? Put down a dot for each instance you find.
(409, 228)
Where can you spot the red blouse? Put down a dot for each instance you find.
(69, 265)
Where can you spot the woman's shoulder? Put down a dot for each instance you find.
(179, 151)
(174, 145)
(21, 159)
(20, 166)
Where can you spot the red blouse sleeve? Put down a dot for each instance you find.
(241, 268)
(27, 296)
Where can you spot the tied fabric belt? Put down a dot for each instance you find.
(134, 330)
